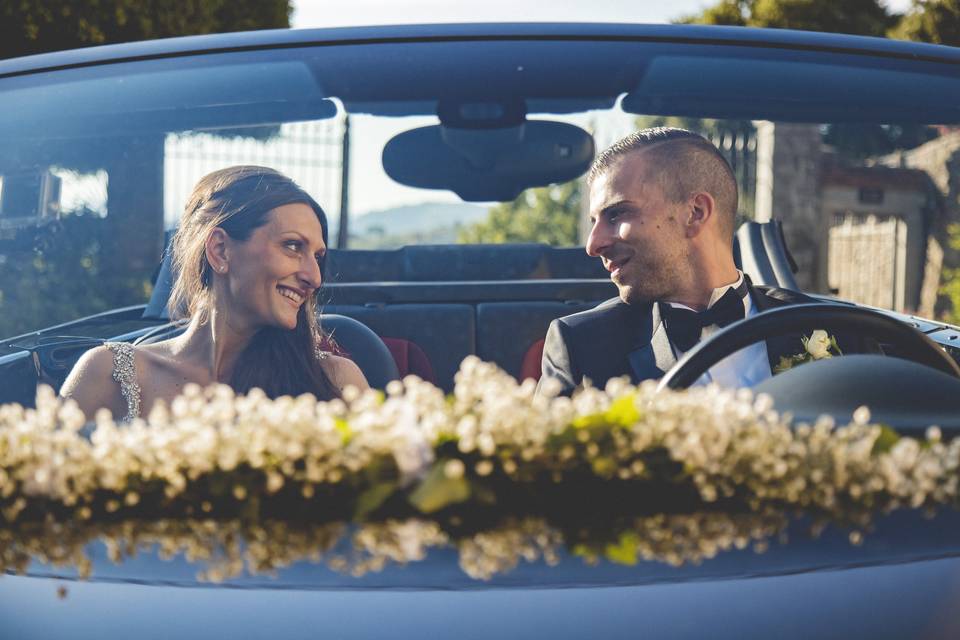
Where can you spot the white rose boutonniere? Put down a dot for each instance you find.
(817, 346)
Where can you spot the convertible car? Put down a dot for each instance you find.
(845, 150)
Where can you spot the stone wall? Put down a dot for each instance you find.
(940, 159)
(788, 189)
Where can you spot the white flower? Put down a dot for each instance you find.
(411, 449)
(818, 345)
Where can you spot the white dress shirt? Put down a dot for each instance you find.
(745, 368)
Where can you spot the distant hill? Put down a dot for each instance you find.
(417, 218)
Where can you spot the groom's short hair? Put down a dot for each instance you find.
(684, 162)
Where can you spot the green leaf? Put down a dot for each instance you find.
(344, 428)
(604, 467)
(445, 438)
(581, 550)
(591, 421)
(885, 441)
(623, 412)
(371, 499)
(785, 364)
(624, 551)
(437, 490)
(835, 346)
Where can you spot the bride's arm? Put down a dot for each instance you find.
(92, 386)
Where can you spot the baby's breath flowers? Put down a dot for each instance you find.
(490, 553)
(212, 452)
(205, 475)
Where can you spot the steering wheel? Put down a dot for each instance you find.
(911, 344)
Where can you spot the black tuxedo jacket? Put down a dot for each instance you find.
(619, 339)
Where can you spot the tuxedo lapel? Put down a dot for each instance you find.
(652, 355)
(782, 346)
(778, 346)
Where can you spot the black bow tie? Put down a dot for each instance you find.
(684, 325)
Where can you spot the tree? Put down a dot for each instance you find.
(935, 21)
(857, 141)
(36, 26)
(61, 272)
(98, 272)
(731, 13)
(549, 215)
(862, 17)
(950, 279)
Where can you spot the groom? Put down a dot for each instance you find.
(663, 204)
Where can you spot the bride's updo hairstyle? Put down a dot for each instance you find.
(239, 200)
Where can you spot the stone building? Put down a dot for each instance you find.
(871, 233)
(878, 221)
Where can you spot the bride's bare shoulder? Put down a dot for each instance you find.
(94, 362)
(91, 381)
(344, 372)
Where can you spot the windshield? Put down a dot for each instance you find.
(98, 162)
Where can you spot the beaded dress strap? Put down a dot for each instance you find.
(125, 374)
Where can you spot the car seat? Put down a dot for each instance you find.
(530, 368)
(359, 343)
(410, 359)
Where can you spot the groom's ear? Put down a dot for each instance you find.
(701, 208)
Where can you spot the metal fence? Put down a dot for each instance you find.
(308, 152)
(739, 147)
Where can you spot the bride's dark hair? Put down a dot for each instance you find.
(239, 200)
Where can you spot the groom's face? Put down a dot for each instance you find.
(637, 232)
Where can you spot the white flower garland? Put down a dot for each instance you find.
(210, 446)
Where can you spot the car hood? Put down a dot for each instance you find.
(898, 577)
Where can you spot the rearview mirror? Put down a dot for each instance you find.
(481, 165)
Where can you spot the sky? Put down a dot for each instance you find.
(326, 13)
(369, 135)
(320, 13)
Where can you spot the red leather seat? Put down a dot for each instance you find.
(530, 368)
(410, 359)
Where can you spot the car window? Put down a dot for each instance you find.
(97, 161)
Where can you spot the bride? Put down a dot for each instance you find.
(248, 258)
